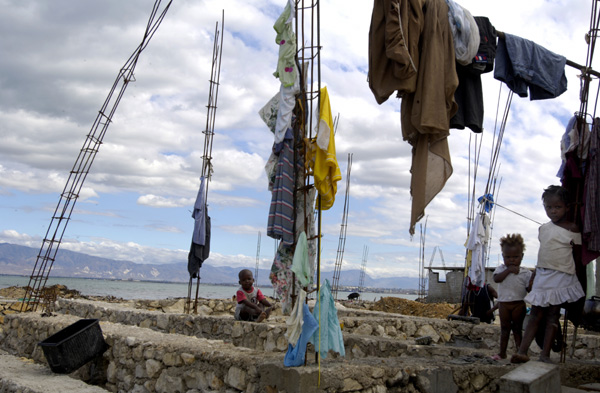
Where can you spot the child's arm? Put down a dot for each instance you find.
(499, 277)
(249, 304)
(265, 302)
(528, 288)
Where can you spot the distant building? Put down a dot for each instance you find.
(450, 290)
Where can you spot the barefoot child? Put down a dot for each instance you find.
(514, 282)
(555, 281)
(252, 305)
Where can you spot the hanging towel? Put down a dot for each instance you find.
(330, 335)
(322, 156)
(300, 264)
(295, 355)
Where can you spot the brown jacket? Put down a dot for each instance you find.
(426, 113)
(396, 27)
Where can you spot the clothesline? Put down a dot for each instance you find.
(510, 210)
(584, 69)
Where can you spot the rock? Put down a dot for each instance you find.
(169, 384)
(188, 358)
(428, 330)
(153, 367)
(236, 378)
(350, 385)
(364, 329)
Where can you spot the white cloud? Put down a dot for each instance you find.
(59, 62)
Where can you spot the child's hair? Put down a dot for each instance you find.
(513, 239)
(244, 271)
(559, 191)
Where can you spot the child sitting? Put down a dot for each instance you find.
(514, 282)
(252, 305)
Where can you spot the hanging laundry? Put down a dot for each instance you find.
(281, 212)
(199, 253)
(321, 155)
(574, 177)
(296, 319)
(300, 263)
(286, 39)
(200, 247)
(469, 93)
(198, 214)
(426, 113)
(394, 35)
(477, 243)
(282, 278)
(591, 224)
(296, 355)
(465, 32)
(329, 336)
(523, 64)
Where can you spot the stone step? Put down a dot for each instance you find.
(270, 336)
(18, 374)
(141, 359)
(360, 339)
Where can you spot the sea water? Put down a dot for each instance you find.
(160, 290)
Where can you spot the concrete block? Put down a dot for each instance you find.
(531, 377)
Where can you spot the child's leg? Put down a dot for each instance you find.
(552, 320)
(505, 323)
(250, 313)
(537, 313)
(518, 316)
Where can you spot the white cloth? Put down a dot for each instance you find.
(551, 288)
(287, 102)
(477, 243)
(465, 32)
(513, 287)
(296, 319)
(556, 250)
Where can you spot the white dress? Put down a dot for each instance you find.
(552, 287)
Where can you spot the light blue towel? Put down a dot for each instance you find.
(294, 356)
(331, 332)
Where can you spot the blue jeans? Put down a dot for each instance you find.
(521, 63)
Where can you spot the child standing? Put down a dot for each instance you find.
(514, 282)
(555, 281)
(252, 305)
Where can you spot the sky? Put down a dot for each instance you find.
(59, 60)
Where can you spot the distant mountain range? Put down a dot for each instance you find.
(19, 260)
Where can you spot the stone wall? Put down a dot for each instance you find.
(163, 350)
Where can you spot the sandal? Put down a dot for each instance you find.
(497, 357)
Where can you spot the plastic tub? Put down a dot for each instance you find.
(74, 346)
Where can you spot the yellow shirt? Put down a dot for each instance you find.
(322, 158)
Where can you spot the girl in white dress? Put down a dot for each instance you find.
(555, 281)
